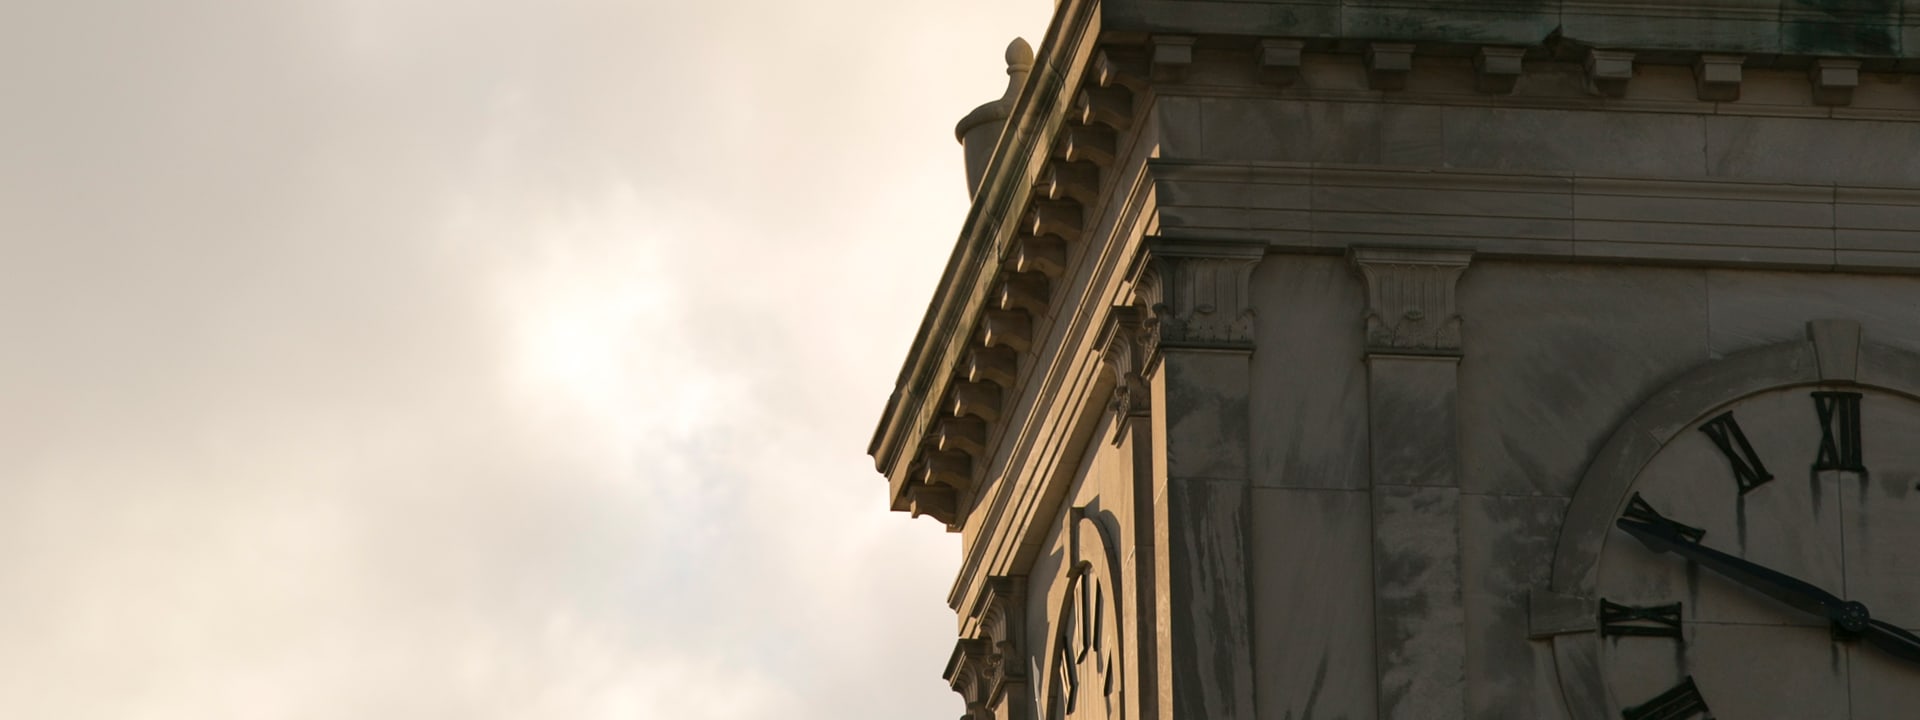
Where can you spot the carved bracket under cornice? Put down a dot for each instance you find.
(1411, 308)
(1195, 293)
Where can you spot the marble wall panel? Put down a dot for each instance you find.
(1877, 221)
(1309, 388)
(1181, 133)
(1419, 623)
(1210, 628)
(1411, 135)
(1506, 550)
(1313, 604)
(1588, 142)
(1253, 129)
(1556, 356)
(1487, 22)
(1807, 150)
(1413, 406)
(1751, 308)
(1205, 410)
(1344, 132)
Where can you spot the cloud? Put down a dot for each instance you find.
(471, 359)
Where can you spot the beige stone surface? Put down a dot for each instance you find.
(1420, 299)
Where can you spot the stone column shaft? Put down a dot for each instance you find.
(1200, 325)
(1413, 349)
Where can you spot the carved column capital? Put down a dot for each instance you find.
(1411, 309)
(1128, 352)
(1000, 616)
(967, 674)
(1196, 294)
(989, 669)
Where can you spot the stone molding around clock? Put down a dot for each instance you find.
(1834, 353)
(1082, 672)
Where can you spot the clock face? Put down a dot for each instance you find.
(1816, 484)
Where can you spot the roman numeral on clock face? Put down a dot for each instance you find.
(1839, 431)
(1726, 434)
(1641, 511)
(1680, 703)
(1655, 621)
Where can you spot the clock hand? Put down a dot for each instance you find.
(1663, 537)
(1849, 617)
(1892, 640)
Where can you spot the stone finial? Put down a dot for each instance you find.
(980, 129)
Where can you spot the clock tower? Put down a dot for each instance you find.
(1499, 359)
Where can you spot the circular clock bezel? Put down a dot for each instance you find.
(1833, 355)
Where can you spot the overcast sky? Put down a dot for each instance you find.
(472, 359)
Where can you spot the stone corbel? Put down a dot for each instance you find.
(1042, 254)
(1088, 143)
(1717, 77)
(1023, 291)
(1172, 55)
(979, 399)
(1011, 329)
(935, 501)
(1119, 69)
(952, 469)
(1054, 217)
(1075, 181)
(997, 365)
(1196, 293)
(1834, 80)
(960, 434)
(1280, 61)
(1608, 72)
(1497, 69)
(1112, 107)
(1411, 308)
(1388, 65)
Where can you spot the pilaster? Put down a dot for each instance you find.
(1413, 350)
(1199, 333)
(989, 668)
(1123, 345)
